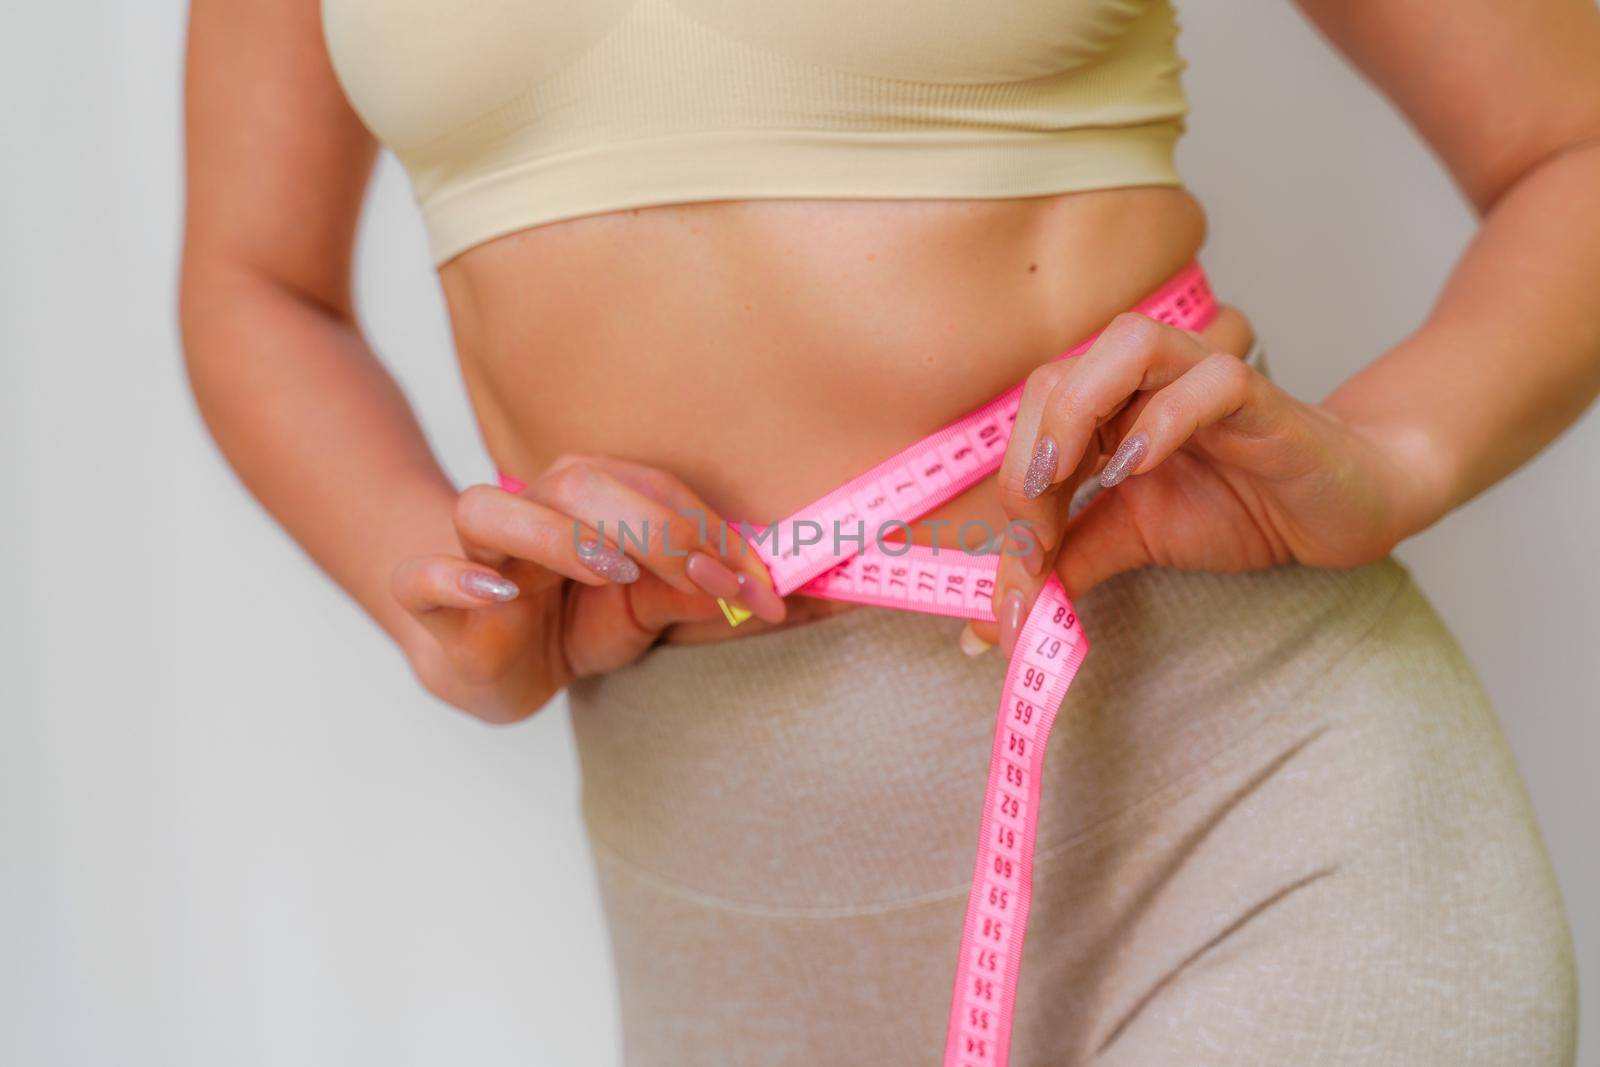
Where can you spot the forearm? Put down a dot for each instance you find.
(1510, 355)
(317, 430)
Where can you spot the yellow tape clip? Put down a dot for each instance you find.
(732, 612)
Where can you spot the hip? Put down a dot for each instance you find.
(841, 764)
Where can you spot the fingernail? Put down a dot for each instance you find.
(1041, 468)
(488, 586)
(972, 644)
(608, 563)
(1127, 456)
(711, 576)
(759, 598)
(1010, 621)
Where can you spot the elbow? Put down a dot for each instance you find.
(226, 299)
(205, 307)
(223, 309)
(1488, 193)
(200, 299)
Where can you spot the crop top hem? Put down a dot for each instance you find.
(797, 165)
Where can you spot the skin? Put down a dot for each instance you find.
(743, 358)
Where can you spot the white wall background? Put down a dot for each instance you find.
(231, 828)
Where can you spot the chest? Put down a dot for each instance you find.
(418, 68)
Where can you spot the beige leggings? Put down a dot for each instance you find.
(1280, 827)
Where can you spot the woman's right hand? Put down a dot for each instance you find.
(537, 600)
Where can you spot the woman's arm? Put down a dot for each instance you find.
(319, 432)
(1214, 467)
(489, 594)
(1508, 94)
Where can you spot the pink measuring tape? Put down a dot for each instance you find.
(1046, 657)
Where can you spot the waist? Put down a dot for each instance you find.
(766, 352)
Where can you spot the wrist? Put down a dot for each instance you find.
(405, 519)
(1415, 470)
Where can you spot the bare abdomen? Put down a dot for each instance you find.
(767, 351)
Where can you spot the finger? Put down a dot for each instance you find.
(685, 551)
(610, 626)
(1100, 543)
(1016, 588)
(1022, 570)
(671, 491)
(593, 641)
(653, 482)
(1046, 523)
(446, 595)
(1061, 412)
(1032, 457)
(496, 527)
(1026, 564)
(1028, 553)
(654, 611)
(1218, 388)
(657, 606)
(801, 609)
(428, 583)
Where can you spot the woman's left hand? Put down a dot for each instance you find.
(1212, 467)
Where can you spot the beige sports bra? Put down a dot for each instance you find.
(512, 113)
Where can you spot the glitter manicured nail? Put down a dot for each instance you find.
(1129, 455)
(608, 563)
(1041, 468)
(487, 586)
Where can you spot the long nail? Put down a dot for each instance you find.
(1127, 456)
(1041, 468)
(711, 576)
(972, 644)
(1010, 621)
(608, 563)
(759, 598)
(487, 586)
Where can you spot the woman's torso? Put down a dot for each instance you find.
(869, 218)
(765, 352)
